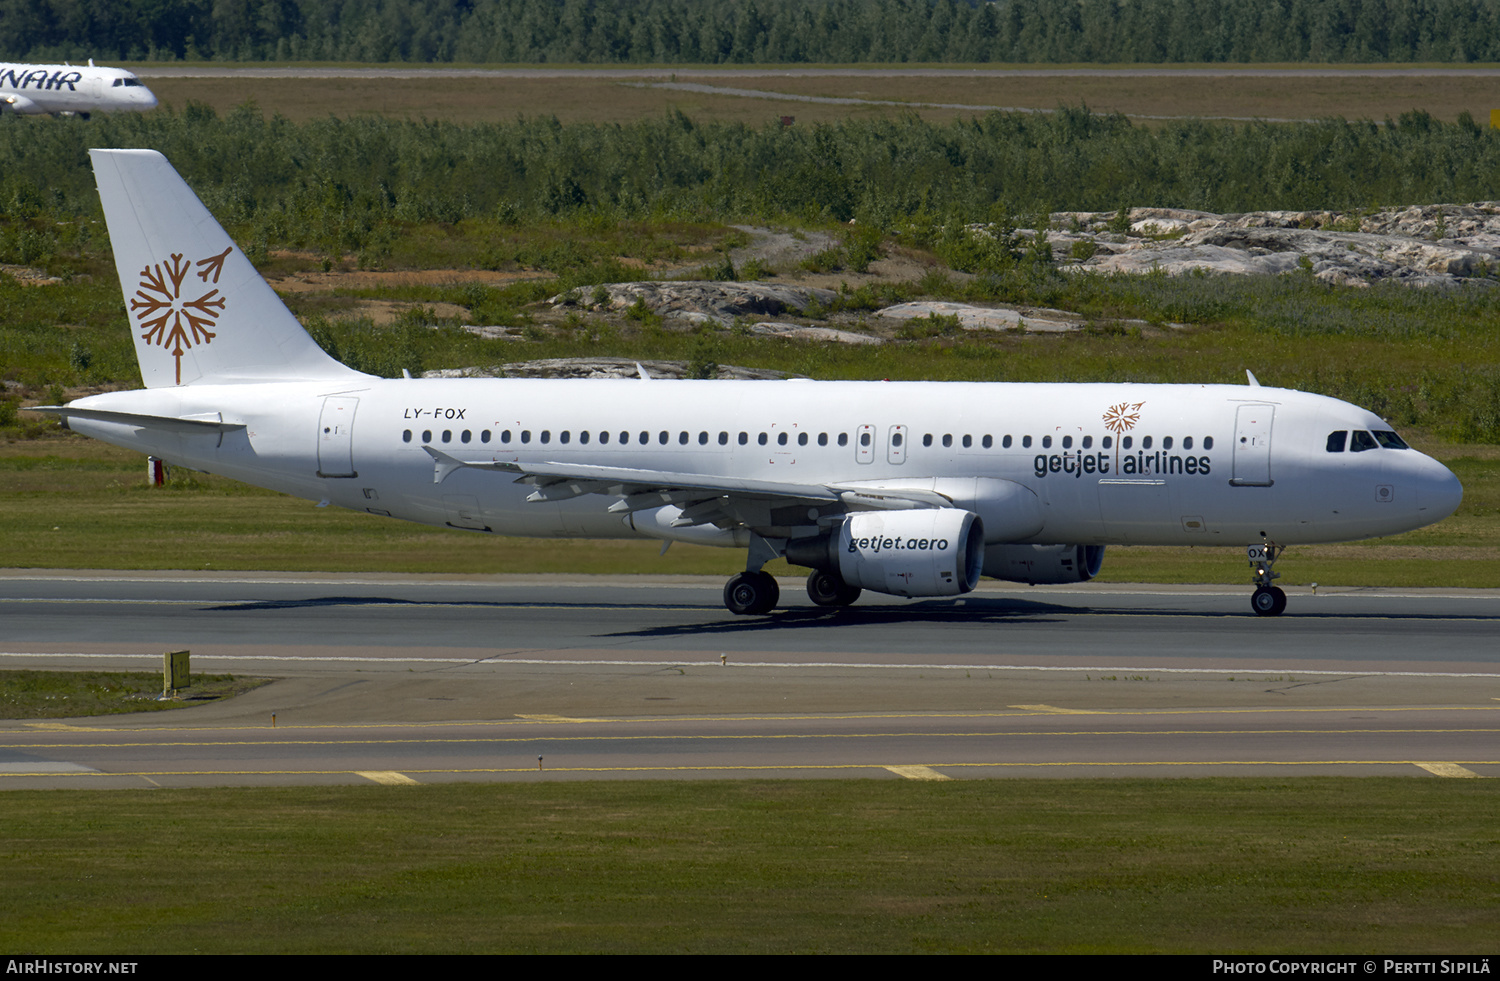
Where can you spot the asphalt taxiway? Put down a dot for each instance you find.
(411, 679)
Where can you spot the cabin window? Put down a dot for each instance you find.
(565, 436)
(723, 439)
(1046, 442)
(1067, 442)
(1088, 441)
(1006, 441)
(447, 435)
(947, 439)
(1208, 442)
(822, 439)
(703, 439)
(662, 437)
(1107, 442)
(744, 438)
(1187, 442)
(682, 439)
(864, 439)
(1337, 440)
(896, 439)
(426, 435)
(1362, 441)
(988, 441)
(1126, 441)
(968, 441)
(604, 436)
(1026, 442)
(1146, 442)
(781, 439)
(406, 436)
(1166, 442)
(927, 440)
(624, 438)
(505, 436)
(546, 436)
(762, 439)
(645, 437)
(525, 435)
(465, 436)
(843, 439)
(802, 439)
(484, 437)
(1390, 440)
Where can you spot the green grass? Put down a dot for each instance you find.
(1309, 865)
(70, 694)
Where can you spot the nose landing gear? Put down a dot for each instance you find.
(1267, 600)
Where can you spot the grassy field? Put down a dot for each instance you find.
(1342, 92)
(71, 694)
(1177, 866)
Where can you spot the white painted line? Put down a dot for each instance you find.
(1447, 770)
(917, 773)
(36, 768)
(713, 661)
(389, 777)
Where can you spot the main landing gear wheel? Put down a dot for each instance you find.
(827, 589)
(751, 593)
(1268, 601)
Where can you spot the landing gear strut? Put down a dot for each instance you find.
(827, 589)
(751, 593)
(1267, 600)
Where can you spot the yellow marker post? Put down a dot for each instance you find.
(1495, 119)
(174, 673)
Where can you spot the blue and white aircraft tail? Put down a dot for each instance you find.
(909, 489)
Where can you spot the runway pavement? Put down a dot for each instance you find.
(401, 679)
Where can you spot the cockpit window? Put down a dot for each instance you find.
(1390, 440)
(1337, 440)
(1362, 441)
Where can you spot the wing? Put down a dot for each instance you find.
(703, 498)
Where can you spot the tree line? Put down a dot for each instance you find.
(290, 180)
(716, 32)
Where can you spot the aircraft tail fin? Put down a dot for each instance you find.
(197, 307)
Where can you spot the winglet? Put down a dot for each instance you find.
(1252, 382)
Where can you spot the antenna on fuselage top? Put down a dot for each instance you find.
(1252, 382)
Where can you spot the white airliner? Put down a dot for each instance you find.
(31, 90)
(910, 488)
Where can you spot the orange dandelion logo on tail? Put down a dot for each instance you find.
(175, 318)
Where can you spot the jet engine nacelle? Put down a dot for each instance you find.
(927, 552)
(1042, 565)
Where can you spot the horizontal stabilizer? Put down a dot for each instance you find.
(169, 424)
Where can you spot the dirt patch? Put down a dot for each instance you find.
(361, 279)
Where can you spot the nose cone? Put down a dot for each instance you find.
(1438, 491)
(144, 98)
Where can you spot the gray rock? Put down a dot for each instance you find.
(985, 318)
(600, 368)
(699, 302)
(798, 332)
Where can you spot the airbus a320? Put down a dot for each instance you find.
(914, 489)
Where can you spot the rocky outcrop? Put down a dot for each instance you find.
(986, 318)
(1434, 245)
(699, 302)
(603, 368)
